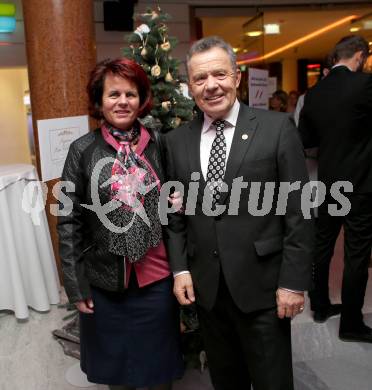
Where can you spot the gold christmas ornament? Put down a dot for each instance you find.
(144, 52)
(166, 105)
(165, 46)
(154, 15)
(168, 77)
(176, 121)
(155, 71)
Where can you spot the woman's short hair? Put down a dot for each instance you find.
(125, 68)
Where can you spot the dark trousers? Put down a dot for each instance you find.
(357, 250)
(244, 348)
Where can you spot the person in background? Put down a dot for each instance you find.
(279, 101)
(311, 154)
(292, 101)
(116, 270)
(246, 273)
(327, 66)
(337, 118)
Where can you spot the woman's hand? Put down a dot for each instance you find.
(176, 200)
(85, 306)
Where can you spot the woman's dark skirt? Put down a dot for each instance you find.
(133, 337)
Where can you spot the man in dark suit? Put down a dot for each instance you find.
(248, 266)
(337, 118)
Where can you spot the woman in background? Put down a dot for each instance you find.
(279, 101)
(114, 264)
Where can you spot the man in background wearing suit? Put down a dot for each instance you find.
(248, 271)
(337, 118)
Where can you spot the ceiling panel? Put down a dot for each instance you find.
(294, 24)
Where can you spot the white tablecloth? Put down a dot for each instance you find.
(28, 272)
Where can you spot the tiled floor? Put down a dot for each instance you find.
(30, 359)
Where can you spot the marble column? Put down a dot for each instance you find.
(60, 46)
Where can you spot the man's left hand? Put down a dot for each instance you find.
(289, 303)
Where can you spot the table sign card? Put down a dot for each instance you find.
(55, 137)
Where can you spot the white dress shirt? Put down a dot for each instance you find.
(337, 65)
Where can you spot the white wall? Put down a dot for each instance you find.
(14, 145)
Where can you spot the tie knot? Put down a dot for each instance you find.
(219, 124)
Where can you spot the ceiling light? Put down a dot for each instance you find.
(235, 49)
(370, 43)
(354, 29)
(271, 29)
(367, 25)
(255, 33)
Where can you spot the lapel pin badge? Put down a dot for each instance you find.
(244, 137)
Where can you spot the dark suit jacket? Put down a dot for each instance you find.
(337, 117)
(256, 253)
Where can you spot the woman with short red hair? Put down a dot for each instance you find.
(113, 258)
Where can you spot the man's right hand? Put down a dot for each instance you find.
(183, 289)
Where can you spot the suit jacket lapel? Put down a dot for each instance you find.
(243, 135)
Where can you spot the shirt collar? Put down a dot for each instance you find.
(338, 65)
(231, 118)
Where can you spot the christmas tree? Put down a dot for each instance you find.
(150, 46)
